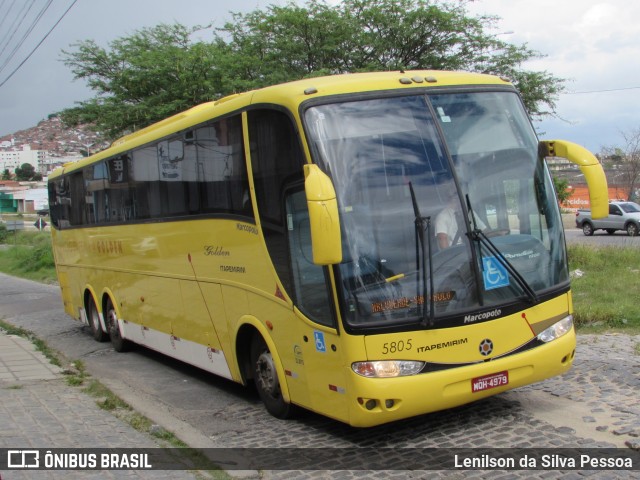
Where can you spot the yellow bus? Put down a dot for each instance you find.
(370, 247)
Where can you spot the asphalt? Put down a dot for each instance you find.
(38, 409)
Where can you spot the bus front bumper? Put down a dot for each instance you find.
(374, 401)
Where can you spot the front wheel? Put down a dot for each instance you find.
(632, 229)
(266, 379)
(587, 229)
(119, 344)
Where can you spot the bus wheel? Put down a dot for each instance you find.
(265, 377)
(94, 322)
(119, 344)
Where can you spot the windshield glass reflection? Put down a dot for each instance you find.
(417, 259)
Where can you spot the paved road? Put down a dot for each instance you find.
(595, 405)
(601, 238)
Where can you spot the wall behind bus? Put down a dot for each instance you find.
(580, 198)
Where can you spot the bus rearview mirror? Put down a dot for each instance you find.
(326, 241)
(590, 168)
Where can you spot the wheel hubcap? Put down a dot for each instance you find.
(266, 374)
(94, 319)
(113, 323)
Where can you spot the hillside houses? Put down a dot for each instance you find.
(47, 145)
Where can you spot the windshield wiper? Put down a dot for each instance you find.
(479, 236)
(423, 224)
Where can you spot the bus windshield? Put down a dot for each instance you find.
(448, 214)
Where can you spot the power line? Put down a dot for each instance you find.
(6, 16)
(603, 90)
(26, 34)
(38, 45)
(9, 34)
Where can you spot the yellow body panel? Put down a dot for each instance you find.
(590, 168)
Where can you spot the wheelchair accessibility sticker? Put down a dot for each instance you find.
(493, 273)
(319, 339)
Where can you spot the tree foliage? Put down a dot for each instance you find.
(142, 78)
(27, 172)
(563, 192)
(160, 71)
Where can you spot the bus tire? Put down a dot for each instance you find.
(94, 322)
(119, 344)
(265, 377)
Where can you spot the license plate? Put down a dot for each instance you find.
(486, 382)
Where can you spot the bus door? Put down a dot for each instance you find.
(318, 351)
(309, 348)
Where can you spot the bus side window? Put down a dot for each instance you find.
(77, 204)
(146, 183)
(224, 185)
(60, 202)
(309, 282)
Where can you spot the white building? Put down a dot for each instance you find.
(12, 159)
(50, 163)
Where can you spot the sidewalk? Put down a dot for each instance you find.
(39, 410)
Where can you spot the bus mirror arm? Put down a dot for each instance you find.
(326, 240)
(590, 168)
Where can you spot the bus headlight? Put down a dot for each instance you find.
(387, 368)
(556, 330)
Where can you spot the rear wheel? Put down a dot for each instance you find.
(587, 229)
(266, 379)
(632, 229)
(94, 322)
(119, 344)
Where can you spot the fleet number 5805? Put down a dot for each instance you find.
(395, 347)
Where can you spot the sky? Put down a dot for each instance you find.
(593, 44)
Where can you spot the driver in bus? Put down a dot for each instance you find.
(449, 224)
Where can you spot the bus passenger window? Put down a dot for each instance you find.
(77, 201)
(224, 185)
(172, 185)
(146, 183)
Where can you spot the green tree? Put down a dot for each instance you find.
(292, 42)
(160, 71)
(142, 78)
(6, 175)
(26, 172)
(563, 192)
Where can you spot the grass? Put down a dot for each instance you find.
(28, 255)
(605, 295)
